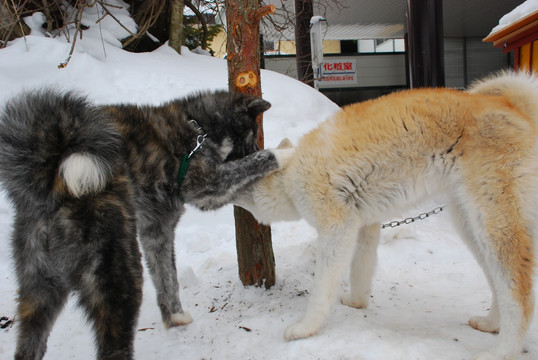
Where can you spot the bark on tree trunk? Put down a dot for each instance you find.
(254, 247)
(303, 13)
(176, 25)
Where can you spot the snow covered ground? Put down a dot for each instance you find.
(426, 287)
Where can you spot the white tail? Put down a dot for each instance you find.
(521, 88)
(83, 174)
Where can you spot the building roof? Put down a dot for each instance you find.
(367, 19)
(346, 32)
(515, 34)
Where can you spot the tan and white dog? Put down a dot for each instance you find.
(374, 159)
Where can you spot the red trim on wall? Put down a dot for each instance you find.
(509, 46)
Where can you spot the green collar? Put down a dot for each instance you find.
(185, 161)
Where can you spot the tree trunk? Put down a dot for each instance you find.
(303, 13)
(176, 25)
(254, 247)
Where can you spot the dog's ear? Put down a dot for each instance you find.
(285, 144)
(257, 105)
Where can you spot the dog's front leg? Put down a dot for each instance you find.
(334, 249)
(363, 268)
(157, 240)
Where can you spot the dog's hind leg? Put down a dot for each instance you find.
(504, 237)
(37, 310)
(158, 244)
(113, 308)
(363, 268)
(334, 250)
(110, 285)
(490, 322)
(41, 295)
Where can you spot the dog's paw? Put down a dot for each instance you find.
(179, 319)
(359, 303)
(485, 324)
(299, 330)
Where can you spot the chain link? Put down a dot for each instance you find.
(410, 220)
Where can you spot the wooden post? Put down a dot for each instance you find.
(254, 247)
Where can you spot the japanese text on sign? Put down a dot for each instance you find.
(338, 72)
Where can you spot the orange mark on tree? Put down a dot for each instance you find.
(245, 79)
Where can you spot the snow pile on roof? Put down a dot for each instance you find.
(527, 8)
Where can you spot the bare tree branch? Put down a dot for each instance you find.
(104, 6)
(78, 30)
(11, 24)
(48, 16)
(150, 16)
(202, 19)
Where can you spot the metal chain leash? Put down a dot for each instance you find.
(410, 220)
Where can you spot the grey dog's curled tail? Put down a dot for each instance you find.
(55, 145)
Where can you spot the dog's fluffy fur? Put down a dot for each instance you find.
(84, 179)
(374, 159)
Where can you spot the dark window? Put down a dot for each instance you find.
(348, 46)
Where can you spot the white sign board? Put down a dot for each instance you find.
(338, 72)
